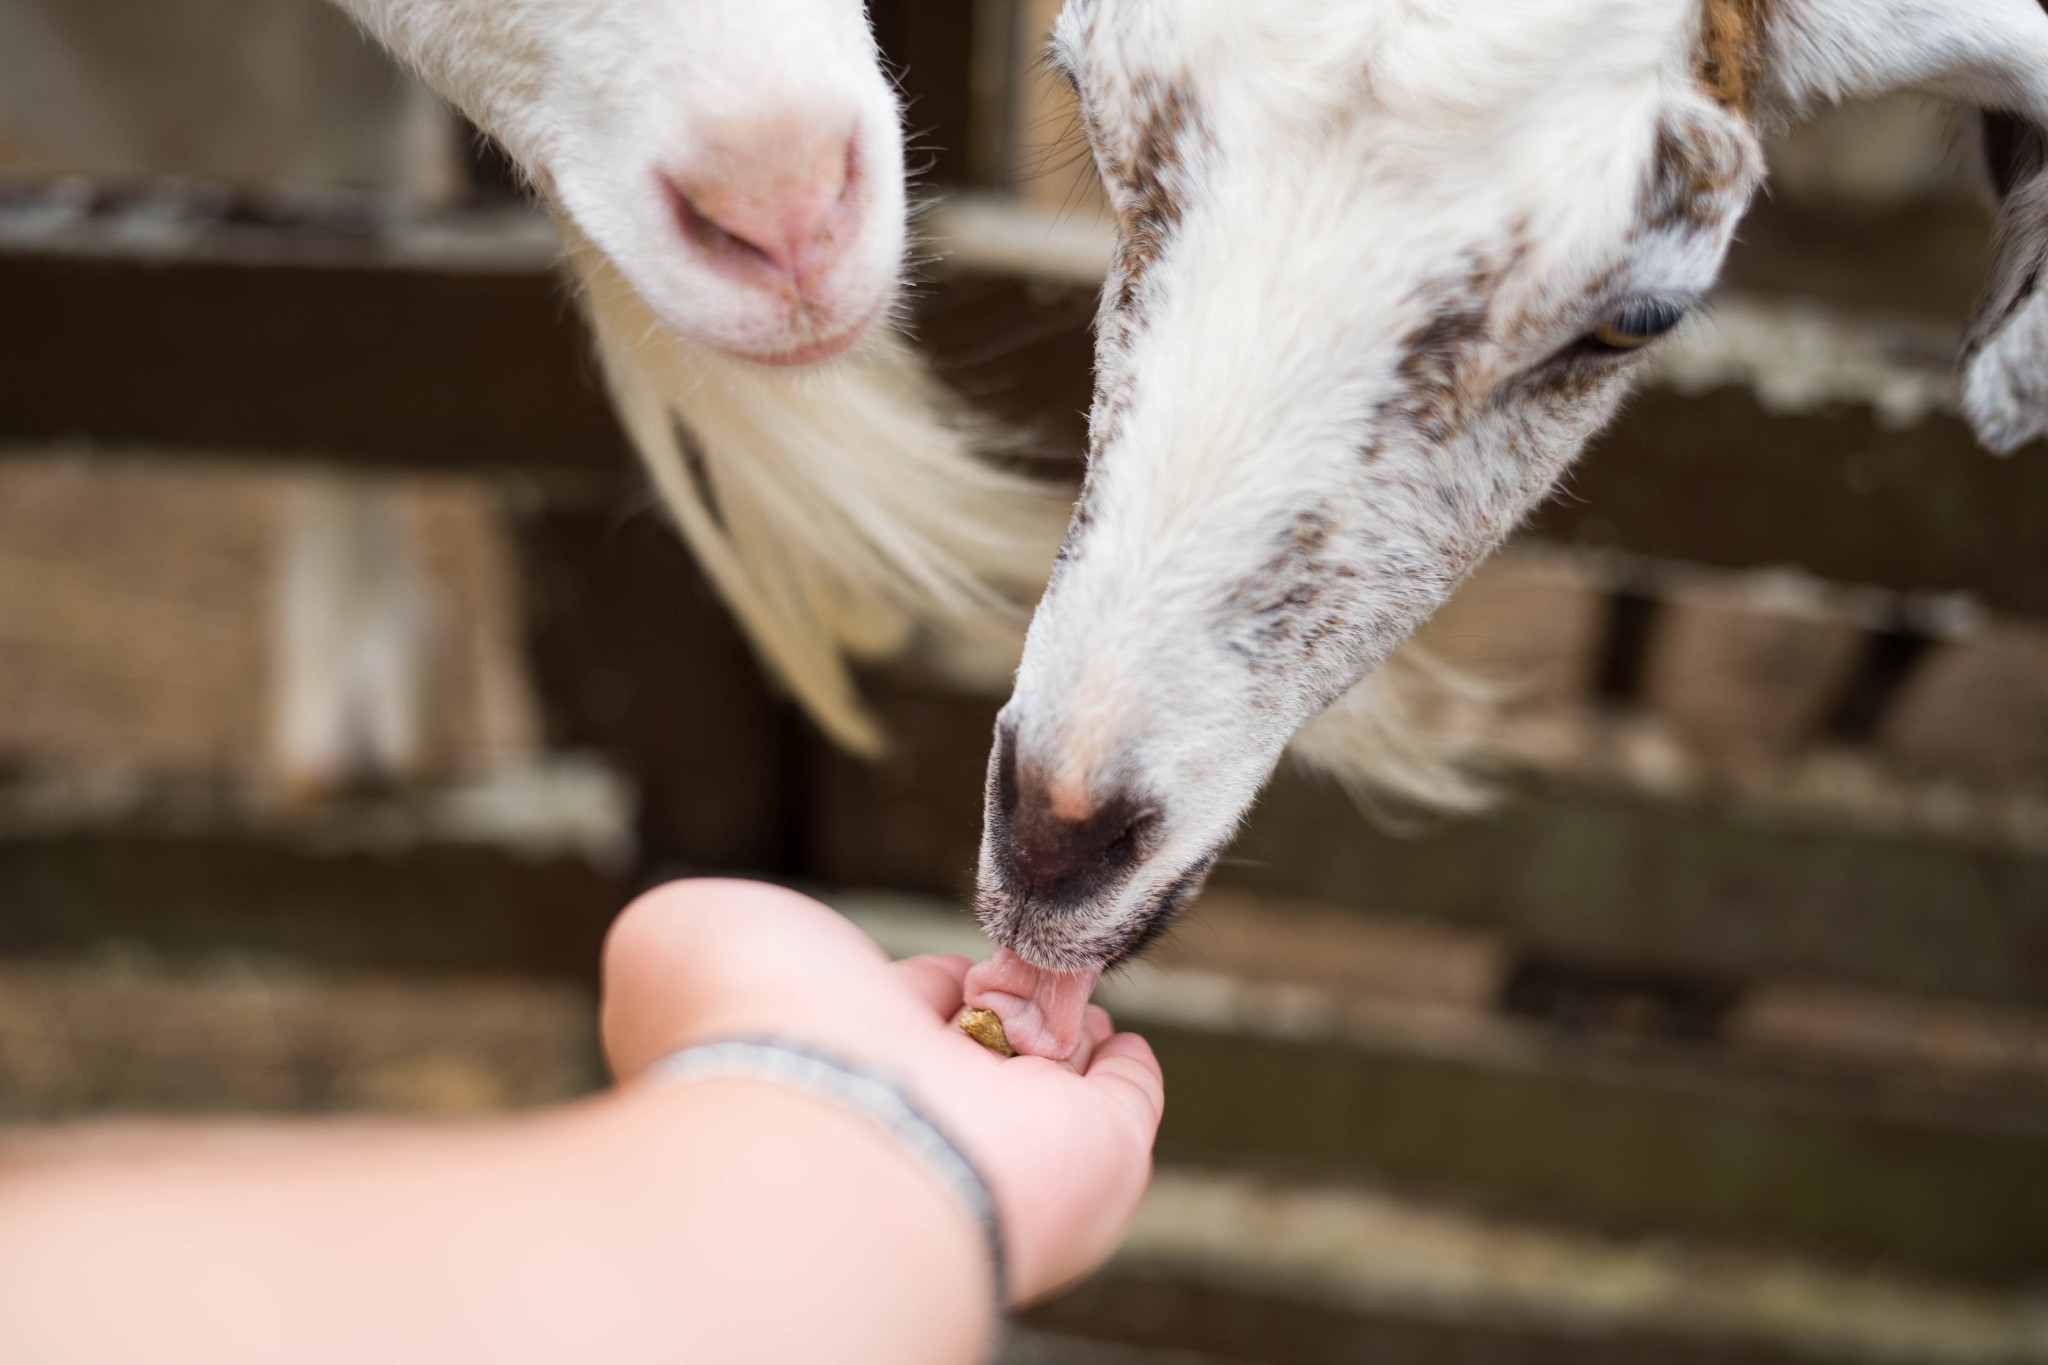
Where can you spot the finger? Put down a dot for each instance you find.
(1096, 1023)
(1095, 1027)
(935, 979)
(1125, 1069)
(1084, 1053)
(953, 965)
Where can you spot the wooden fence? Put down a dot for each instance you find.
(1754, 951)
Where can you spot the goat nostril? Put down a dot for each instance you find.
(788, 211)
(1049, 850)
(849, 172)
(1046, 844)
(713, 238)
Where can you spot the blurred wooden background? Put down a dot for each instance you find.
(1724, 1038)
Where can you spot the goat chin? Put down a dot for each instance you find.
(845, 511)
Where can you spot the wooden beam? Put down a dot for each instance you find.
(364, 353)
(636, 660)
(1719, 478)
(1723, 890)
(342, 350)
(1164, 1319)
(432, 907)
(1632, 1139)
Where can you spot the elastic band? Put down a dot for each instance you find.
(867, 1093)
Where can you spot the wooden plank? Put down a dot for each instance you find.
(247, 92)
(1530, 626)
(1922, 257)
(139, 615)
(1902, 1039)
(1977, 705)
(1019, 348)
(435, 907)
(1050, 165)
(1585, 872)
(364, 361)
(636, 660)
(1379, 1248)
(135, 611)
(1718, 479)
(1163, 1319)
(913, 821)
(1730, 665)
(1603, 878)
(130, 1037)
(444, 345)
(1298, 969)
(930, 46)
(1303, 943)
(486, 370)
(1631, 1141)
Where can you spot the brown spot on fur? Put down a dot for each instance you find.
(1730, 55)
(1146, 165)
(1112, 406)
(1433, 360)
(1436, 357)
(1148, 174)
(1695, 172)
(1297, 601)
(1077, 525)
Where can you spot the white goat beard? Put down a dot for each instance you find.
(850, 510)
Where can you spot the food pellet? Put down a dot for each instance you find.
(986, 1027)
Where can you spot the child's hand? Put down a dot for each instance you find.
(1067, 1149)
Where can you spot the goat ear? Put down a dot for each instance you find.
(2005, 352)
(1987, 54)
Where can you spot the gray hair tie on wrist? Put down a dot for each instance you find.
(867, 1093)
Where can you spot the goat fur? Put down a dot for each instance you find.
(1359, 322)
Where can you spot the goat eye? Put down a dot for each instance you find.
(1634, 326)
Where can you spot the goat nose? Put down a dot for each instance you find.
(1062, 841)
(777, 196)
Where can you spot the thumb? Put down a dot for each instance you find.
(1126, 1074)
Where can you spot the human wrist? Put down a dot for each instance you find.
(837, 1212)
(866, 1091)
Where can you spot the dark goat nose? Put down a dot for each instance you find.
(1066, 852)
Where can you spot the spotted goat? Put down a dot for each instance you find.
(1383, 268)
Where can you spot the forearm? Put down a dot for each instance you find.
(717, 1220)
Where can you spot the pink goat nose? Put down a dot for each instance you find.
(776, 196)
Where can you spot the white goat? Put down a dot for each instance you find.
(1383, 268)
(730, 177)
